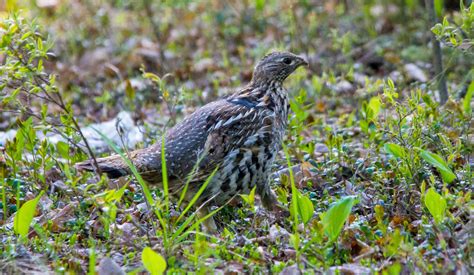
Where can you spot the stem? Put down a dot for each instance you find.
(156, 29)
(437, 54)
(78, 128)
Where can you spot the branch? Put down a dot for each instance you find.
(437, 54)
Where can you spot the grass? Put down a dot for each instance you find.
(172, 232)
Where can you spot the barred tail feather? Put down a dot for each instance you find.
(113, 166)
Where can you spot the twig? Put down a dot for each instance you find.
(437, 55)
(156, 29)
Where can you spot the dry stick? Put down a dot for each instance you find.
(156, 31)
(437, 55)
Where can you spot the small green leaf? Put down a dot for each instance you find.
(250, 198)
(39, 67)
(395, 150)
(40, 44)
(25, 36)
(437, 29)
(259, 5)
(63, 149)
(438, 7)
(129, 90)
(12, 96)
(453, 41)
(438, 162)
(394, 269)
(24, 216)
(375, 105)
(295, 240)
(393, 246)
(153, 77)
(305, 208)
(153, 262)
(364, 125)
(391, 84)
(445, 22)
(333, 220)
(467, 99)
(436, 204)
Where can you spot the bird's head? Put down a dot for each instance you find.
(276, 66)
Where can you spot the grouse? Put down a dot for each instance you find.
(239, 136)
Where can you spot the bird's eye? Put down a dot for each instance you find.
(287, 61)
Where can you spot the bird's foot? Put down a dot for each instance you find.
(208, 225)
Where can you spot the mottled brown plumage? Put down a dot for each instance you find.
(241, 134)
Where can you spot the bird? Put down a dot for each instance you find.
(236, 137)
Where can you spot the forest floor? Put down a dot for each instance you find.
(381, 172)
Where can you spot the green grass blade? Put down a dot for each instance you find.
(24, 216)
(132, 167)
(194, 226)
(198, 194)
(164, 174)
(140, 180)
(294, 191)
(188, 181)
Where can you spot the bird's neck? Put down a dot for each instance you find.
(260, 82)
(269, 94)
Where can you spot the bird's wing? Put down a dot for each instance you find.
(235, 125)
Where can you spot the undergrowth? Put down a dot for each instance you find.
(377, 175)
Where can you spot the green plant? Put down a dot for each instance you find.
(108, 202)
(24, 216)
(458, 34)
(153, 262)
(23, 76)
(417, 131)
(250, 198)
(438, 162)
(172, 231)
(334, 218)
(436, 204)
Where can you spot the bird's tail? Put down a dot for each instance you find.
(114, 166)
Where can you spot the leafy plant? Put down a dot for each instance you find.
(334, 218)
(440, 164)
(468, 99)
(395, 150)
(24, 216)
(250, 198)
(153, 262)
(436, 204)
(305, 207)
(295, 237)
(108, 200)
(23, 75)
(459, 34)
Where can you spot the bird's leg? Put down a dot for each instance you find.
(209, 225)
(270, 201)
(268, 197)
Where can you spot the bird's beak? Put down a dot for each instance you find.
(302, 61)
